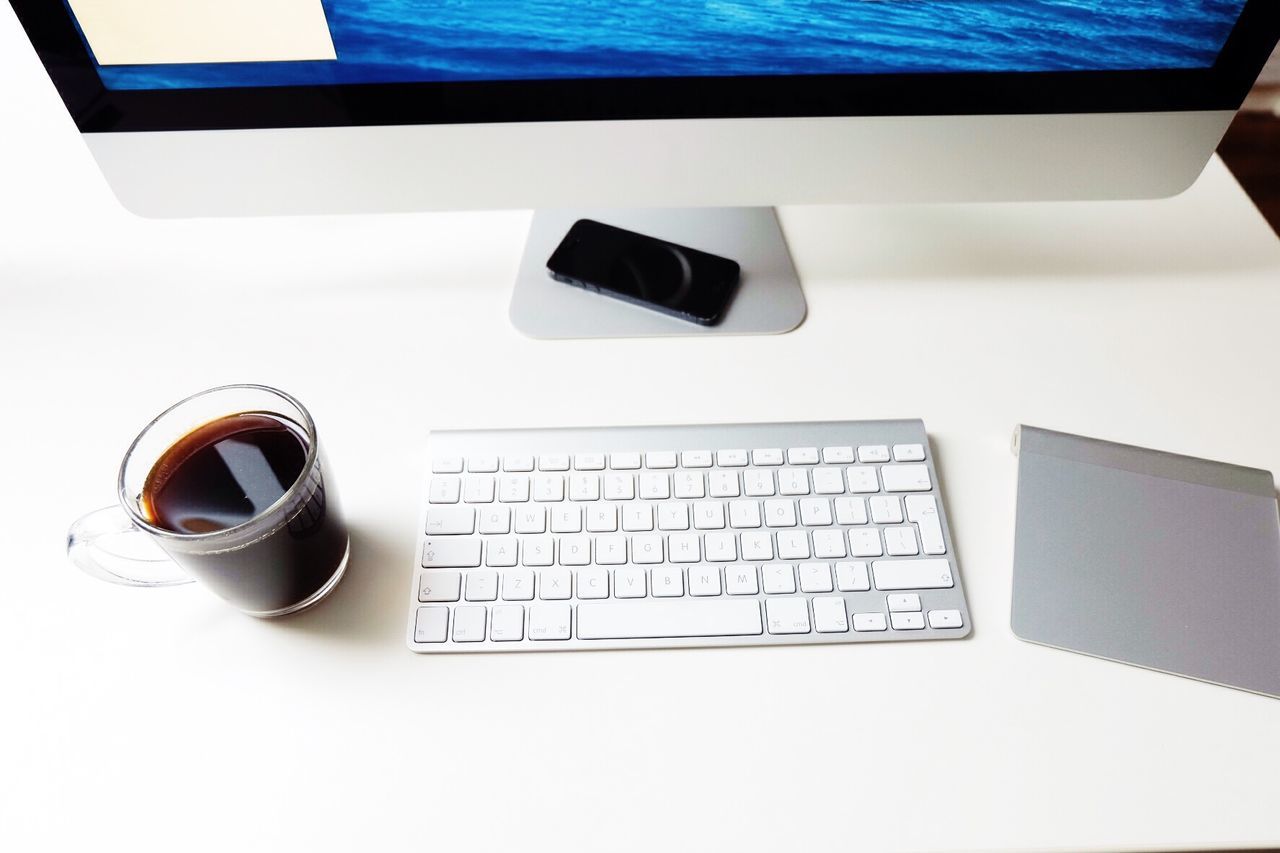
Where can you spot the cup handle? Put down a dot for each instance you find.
(108, 545)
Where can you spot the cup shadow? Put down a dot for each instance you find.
(368, 604)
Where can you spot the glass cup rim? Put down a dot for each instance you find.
(126, 502)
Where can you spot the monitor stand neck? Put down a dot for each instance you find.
(769, 299)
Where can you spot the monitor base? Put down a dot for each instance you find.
(769, 299)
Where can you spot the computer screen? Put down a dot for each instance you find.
(411, 41)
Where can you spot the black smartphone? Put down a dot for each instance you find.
(686, 283)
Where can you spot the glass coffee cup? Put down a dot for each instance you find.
(227, 487)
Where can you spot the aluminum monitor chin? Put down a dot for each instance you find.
(675, 104)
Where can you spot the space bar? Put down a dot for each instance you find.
(621, 620)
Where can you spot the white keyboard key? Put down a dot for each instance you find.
(684, 548)
(779, 578)
(908, 453)
(584, 487)
(655, 487)
(555, 585)
(513, 488)
(744, 514)
(793, 481)
(758, 483)
(708, 515)
(862, 479)
(724, 484)
(815, 577)
(444, 490)
(588, 462)
(851, 510)
(912, 574)
(619, 487)
(482, 464)
(602, 518)
(450, 552)
(566, 518)
(450, 520)
(873, 453)
(829, 615)
(593, 583)
(779, 513)
(446, 465)
(767, 456)
(690, 485)
(500, 551)
(553, 462)
(802, 456)
(575, 550)
(548, 487)
(624, 461)
(507, 624)
(646, 549)
(787, 615)
(741, 580)
(793, 544)
(852, 577)
(517, 463)
(923, 511)
(828, 544)
(696, 459)
(869, 622)
(537, 550)
(906, 621)
(637, 517)
(865, 543)
(903, 602)
(611, 550)
(901, 542)
(815, 512)
(906, 478)
(517, 585)
(673, 516)
(481, 586)
(468, 624)
(945, 619)
(496, 519)
(704, 580)
(720, 547)
(478, 489)
(629, 582)
(731, 458)
(431, 625)
(885, 509)
(660, 459)
(839, 455)
(828, 481)
(439, 586)
(667, 582)
(549, 622)
(618, 620)
(756, 546)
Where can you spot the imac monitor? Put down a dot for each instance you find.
(668, 103)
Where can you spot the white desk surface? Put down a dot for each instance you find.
(164, 720)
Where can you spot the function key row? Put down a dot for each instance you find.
(668, 459)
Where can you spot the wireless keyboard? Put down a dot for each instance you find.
(652, 537)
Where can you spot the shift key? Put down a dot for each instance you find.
(912, 574)
(450, 552)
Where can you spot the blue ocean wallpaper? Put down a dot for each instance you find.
(400, 41)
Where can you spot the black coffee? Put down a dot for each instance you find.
(232, 471)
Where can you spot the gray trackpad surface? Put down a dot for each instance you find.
(1148, 558)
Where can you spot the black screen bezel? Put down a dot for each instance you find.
(97, 109)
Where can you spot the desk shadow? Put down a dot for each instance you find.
(369, 605)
